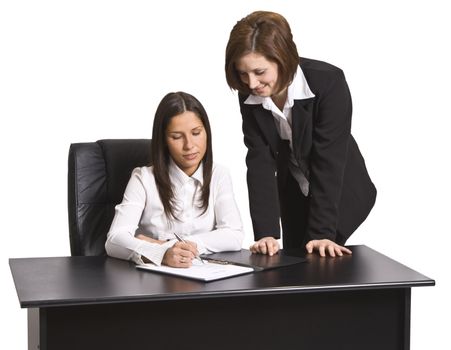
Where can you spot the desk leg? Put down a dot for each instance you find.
(36, 329)
(407, 303)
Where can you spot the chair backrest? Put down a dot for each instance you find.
(98, 173)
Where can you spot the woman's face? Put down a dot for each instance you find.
(187, 141)
(258, 73)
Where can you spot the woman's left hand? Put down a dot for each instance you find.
(326, 246)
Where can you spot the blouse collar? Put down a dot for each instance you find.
(178, 176)
(297, 90)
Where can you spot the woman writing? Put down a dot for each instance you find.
(304, 167)
(183, 192)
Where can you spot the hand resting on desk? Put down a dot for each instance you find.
(265, 245)
(325, 247)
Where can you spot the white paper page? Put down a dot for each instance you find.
(204, 272)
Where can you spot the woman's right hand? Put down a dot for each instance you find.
(265, 245)
(181, 254)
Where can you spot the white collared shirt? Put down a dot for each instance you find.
(141, 211)
(297, 90)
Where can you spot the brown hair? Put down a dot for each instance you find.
(171, 105)
(265, 33)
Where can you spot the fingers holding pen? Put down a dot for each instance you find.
(181, 254)
(187, 246)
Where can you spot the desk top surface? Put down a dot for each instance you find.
(64, 281)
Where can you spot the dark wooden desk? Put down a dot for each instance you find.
(352, 302)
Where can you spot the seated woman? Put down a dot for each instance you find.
(183, 192)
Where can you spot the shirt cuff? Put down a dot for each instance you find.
(153, 251)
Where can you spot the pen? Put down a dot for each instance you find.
(180, 239)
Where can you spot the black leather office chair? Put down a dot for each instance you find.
(97, 177)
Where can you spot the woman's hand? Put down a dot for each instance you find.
(326, 246)
(181, 254)
(265, 245)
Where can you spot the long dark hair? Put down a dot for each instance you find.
(171, 105)
(265, 33)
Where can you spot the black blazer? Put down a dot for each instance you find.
(341, 193)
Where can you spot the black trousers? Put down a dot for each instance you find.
(294, 210)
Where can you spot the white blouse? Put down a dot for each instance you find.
(297, 90)
(141, 211)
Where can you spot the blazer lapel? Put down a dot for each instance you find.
(265, 121)
(301, 126)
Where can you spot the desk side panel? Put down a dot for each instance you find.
(370, 320)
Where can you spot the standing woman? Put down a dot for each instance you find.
(304, 166)
(183, 192)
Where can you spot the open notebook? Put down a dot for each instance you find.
(204, 272)
(227, 264)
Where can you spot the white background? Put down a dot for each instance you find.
(73, 71)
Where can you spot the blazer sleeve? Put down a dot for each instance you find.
(261, 177)
(331, 134)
